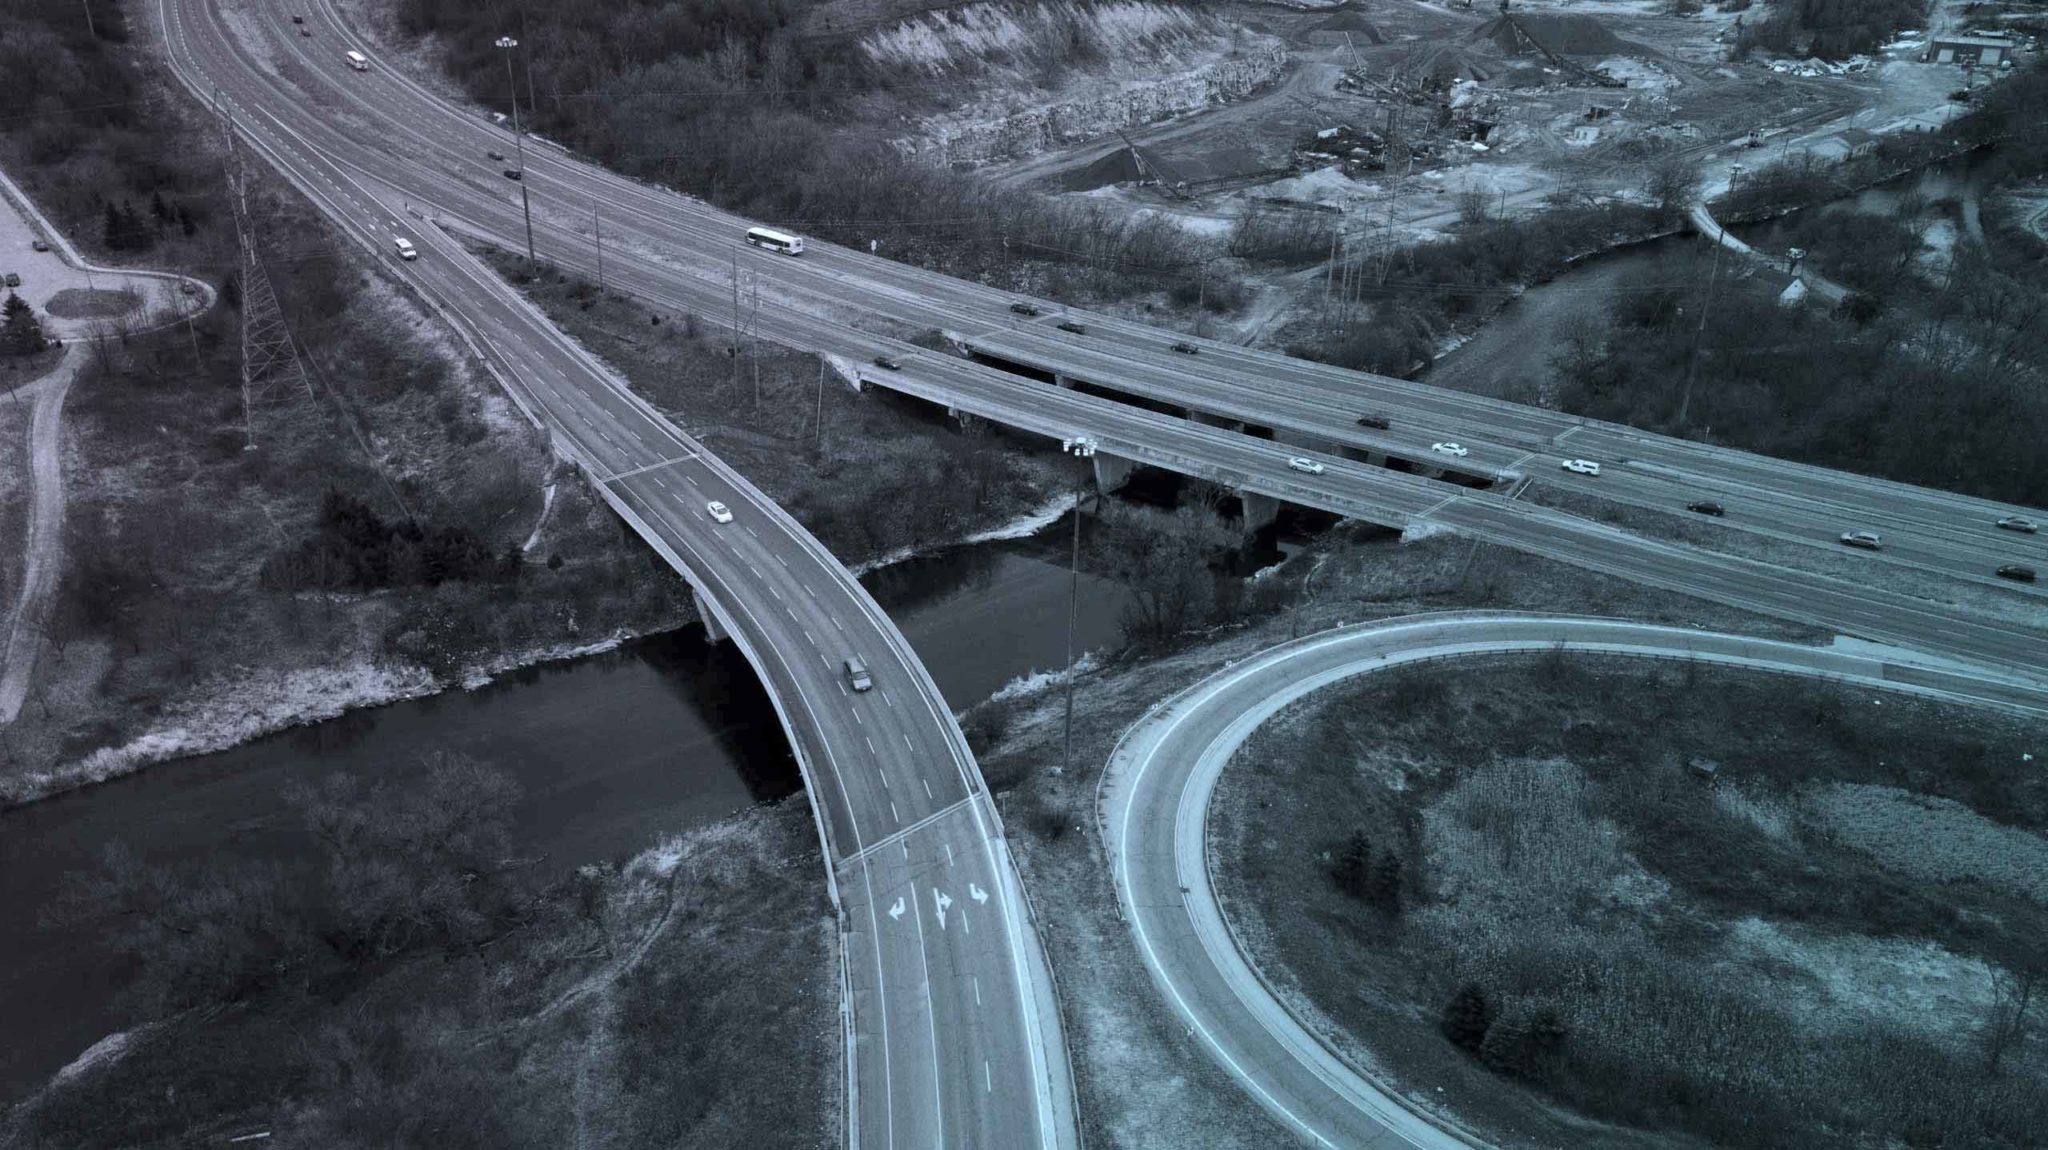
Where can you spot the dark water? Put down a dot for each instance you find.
(612, 752)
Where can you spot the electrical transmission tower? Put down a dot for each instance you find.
(270, 360)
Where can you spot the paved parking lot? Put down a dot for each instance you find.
(159, 297)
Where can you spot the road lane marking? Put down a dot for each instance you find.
(870, 743)
(977, 990)
(931, 1016)
(858, 721)
(949, 859)
(811, 637)
(907, 743)
(904, 834)
(927, 787)
(988, 1080)
(892, 811)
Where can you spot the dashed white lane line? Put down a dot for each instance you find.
(882, 775)
(907, 743)
(988, 1080)
(977, 990)
(858, 721)
(949, 854)
(814, 642)
(869, 742)
(892, 811)
(891, 702)
(927, 787)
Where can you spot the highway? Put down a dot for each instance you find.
(1311, 404)
(1153, 802)
(677, 282)
(953, 1032)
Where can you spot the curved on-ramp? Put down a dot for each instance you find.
(1153, 804)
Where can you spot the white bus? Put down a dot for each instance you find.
(776, 241)
(358, 61)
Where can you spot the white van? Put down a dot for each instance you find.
(358, 61)
(405, 249)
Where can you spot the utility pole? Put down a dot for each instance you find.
(1692, 367)
(507, 43)
(734, 350)
(270, 359)
(89, 29)
(818, 432)
(1080, 447)
(597, 229)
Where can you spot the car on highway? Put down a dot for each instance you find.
(1376, 422)
(306, 32)
(1073, 326)
(1186, 348)
(405, 249)
(891, 364)
(40, 245)
(496, 157)
(857, 674)
(2015, 571)
(513, 174)
(718, 512)
(1868, 540)
(1305, 466)
(13, 279)
(1581, 467)
(1457, 449)
(2019, 523)
(1707, 507)
(298, 19)
(1022, 308)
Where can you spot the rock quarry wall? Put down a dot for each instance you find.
(971, 139)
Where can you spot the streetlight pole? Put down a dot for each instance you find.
(1080, 447)
(519, 137)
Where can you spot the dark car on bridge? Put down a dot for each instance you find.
(1076, 328)
(1022, 308)
(1706, 507)
(1376, 422)
(2015, 571)
(891, 364)
(1186, 348)
(513, 174)
(496, 157)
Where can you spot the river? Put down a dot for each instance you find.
(612, 752)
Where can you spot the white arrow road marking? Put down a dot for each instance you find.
(942, 900)
(896, 911)
(976, 893)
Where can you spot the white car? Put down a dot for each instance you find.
(405, 249)
(1306, 466)
(1457, 449)
(1582, 466)
(2019, 523)
(1868, 540)
(719, 512)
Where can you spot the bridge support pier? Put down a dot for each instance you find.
(1259, 510)
(1111, 472)
(714, 631)
(1062, 382)
(1207, 420)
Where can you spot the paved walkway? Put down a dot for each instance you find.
(1153, 805)
(162, 298)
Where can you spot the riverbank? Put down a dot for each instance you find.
(640, 1004)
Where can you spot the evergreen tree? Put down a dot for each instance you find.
(110, 232)
(21, 333)
(1383, 885)
(159, 210)
(1354, 866)
(1507, 1049)
(1466, 1018)
(185, 221)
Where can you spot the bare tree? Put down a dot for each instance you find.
(2006, 1024)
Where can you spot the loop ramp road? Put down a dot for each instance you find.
(1153, 805)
